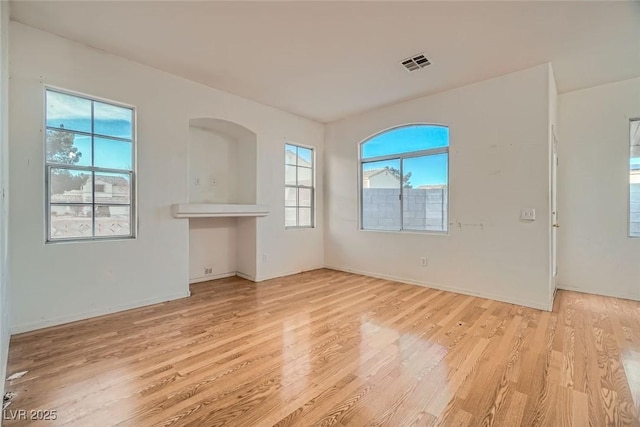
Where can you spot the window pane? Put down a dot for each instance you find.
(290, 154)
(405, 140)
(68, 112)
(113, 188)
(290, 196)
(290, 217)
(305, 196)
(305, 217)
(424, 200)
(84, 202)
(70, 186)
(290, 175)
(298, 177)
(304, 157)
(69, 222)
(634, 180)
(113, 220)
(112, 154)
(381, 195)
(111, 120)
(68, 148)
(305, 176)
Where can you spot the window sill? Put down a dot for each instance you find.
(418, 232)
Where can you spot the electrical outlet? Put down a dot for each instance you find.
(197, 180)
(264, 257)
(528, 214)
(208, 270)
(423, 261)
(212, 180)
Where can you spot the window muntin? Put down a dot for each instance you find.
(404, 179)
(89, 167)
(299, 187)
(634, 178)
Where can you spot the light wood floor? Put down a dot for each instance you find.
(331, 348)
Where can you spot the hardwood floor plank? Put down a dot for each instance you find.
(333, 348)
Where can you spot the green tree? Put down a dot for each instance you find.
(406, 180)
(60, 149)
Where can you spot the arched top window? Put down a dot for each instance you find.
(404, 177)
(405, 139)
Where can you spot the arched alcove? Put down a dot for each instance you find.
(222, 198)
(222, 162)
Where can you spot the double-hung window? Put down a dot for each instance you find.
(299, 186)
(634, 179)
(89, 168)
(404, 179)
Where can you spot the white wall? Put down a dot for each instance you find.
(595, 253)
(213, 244)
(4, 191)
(293, 250)
(55, 283)
(210, 155)
(499, 163)
(244, 160)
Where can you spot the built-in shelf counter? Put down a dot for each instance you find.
(216, 210)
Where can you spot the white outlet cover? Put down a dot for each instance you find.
(528, 214)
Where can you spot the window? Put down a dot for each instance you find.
(299, 188)
(404, 176)
(634, 179)
(89, 168)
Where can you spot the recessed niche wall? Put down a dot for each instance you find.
(222, 162)
(222, 172)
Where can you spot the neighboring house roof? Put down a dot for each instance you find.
(113, 180)
(119, 191)
(373, 172)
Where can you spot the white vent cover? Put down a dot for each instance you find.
(415, 62)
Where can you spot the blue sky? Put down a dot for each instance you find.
(428, 170)
(303, 153)
(74, 113)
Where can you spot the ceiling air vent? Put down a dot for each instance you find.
(415, 62)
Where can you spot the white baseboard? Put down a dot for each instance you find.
(290, 273)
(211, 277)
(604, 292)
(457, 290)
(245, 276)
(32, 326)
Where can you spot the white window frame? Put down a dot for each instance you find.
(400, 157)
(90, 169)
(629, 231)
(312, 187)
